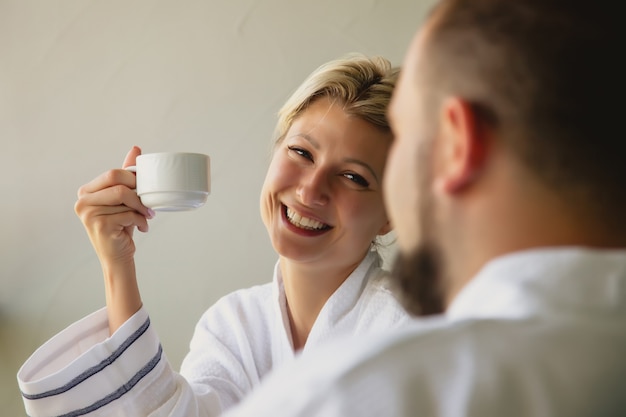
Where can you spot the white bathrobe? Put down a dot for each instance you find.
(83, 371)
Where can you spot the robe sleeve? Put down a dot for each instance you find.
(83, 371)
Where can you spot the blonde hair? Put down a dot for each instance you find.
(363, 85)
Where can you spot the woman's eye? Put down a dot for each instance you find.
(303, 153)
(357, 179)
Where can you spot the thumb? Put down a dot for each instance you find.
(131, 156)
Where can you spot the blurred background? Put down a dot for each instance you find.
(82, 81)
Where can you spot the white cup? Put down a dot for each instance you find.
(173, 181)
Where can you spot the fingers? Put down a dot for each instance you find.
(131, 156)
(112, 222)
(117, 196)
(112, 218)
(85, 208)
(112, 194)
(111, 188)
(108, 179)
(114, 176)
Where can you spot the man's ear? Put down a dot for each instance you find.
(464, 144)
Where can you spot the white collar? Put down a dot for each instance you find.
(341, 301)
(561, 280)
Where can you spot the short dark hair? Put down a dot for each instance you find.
(544, 74)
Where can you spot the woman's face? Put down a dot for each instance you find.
(322, 198)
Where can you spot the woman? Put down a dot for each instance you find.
(321, 203)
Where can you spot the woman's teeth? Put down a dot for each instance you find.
(304, 222)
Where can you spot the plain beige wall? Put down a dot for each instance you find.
(82, 81)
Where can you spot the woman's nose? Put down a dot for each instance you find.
(314, 189)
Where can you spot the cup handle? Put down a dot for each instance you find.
(132, 168)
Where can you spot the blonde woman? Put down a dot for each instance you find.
(322, 205)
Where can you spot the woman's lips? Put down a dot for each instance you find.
(304, 223)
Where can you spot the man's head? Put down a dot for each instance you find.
(506, 139)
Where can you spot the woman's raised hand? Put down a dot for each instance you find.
(110, 210)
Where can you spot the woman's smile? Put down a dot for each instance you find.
(303, 223)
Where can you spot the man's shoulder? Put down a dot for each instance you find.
(434, 348)
(438, 362)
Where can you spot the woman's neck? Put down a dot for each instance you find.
(307, 289)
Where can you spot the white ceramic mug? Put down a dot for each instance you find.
(173, 181)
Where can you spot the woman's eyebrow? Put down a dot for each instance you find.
(308, 138)
(364, 165)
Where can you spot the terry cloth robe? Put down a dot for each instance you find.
(83, 371)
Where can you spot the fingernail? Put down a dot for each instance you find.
(151, 213)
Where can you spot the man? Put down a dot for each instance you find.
(506, 186)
